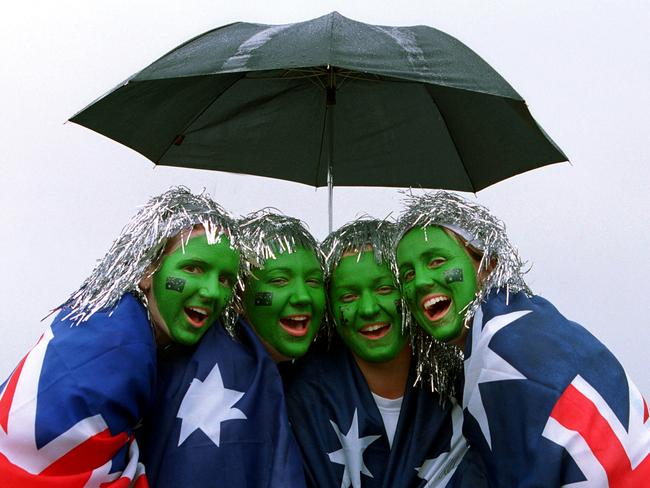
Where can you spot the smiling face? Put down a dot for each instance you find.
(190, 289)
(439, 280)
(365, 307)
(285, 301)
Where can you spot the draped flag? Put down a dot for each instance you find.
(343, 440)
(546, 404)
(220, 418)
(68, 411)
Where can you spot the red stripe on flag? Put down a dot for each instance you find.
(12, 475)
(578, 413)
(90, 454)
(8, 396)
(645, 411)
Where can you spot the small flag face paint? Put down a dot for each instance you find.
(263, 299)
(175, 284)
(453, 275)
(342, 318)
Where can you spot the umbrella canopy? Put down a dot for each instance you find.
(330, 100)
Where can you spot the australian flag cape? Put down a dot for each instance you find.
(220, 418)
(342, 437)
(546, 404)
(68, 410)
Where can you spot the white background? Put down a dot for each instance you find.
(582, 66)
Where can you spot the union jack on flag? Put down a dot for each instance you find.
(546, 404)
(68, 409)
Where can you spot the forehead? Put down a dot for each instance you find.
(421, 239)
(195, 245)
(302, 258)
(356, 268)
(183, 238)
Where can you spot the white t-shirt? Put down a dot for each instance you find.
(389, 409)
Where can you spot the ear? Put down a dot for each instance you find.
(145, 283)
(486, 272)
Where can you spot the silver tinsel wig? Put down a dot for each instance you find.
(137, 250)
(357, 236)
(265, 235)
(438, 362)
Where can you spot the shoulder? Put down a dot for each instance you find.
(530, 335)
(121, 334)
(126, 321)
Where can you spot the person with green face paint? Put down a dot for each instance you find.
(284, 291)
(544, 401)
(91, 377)
(359, 388)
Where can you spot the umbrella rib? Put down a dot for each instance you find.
(193, 119)
(451, 136)
(320, 149)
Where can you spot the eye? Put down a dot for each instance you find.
(193, 269)
(436, 263)
(314, 282)
(279, 281)
(348, 297)
(385, 290)
(226, 280)
(408, 275)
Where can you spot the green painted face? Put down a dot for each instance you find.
(285, 301)
(439, 280)
(191, 288)
(365, 307)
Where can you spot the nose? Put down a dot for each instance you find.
(210, 289)
(423, 280)
(300, 296)
(368, 306)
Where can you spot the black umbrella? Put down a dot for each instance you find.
(328, 101)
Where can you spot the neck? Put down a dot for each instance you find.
(387, 379)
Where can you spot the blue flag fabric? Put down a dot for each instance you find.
(546, 404)
(342, 437)
(220, 419)
(68, 411)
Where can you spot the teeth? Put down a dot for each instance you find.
(298, 318)
(199, 311)
(372, 328)
(432, 301)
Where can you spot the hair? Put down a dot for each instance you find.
(137, 251)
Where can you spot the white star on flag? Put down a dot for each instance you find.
(206, 405)
(485, 366)
(444, 466)
(351, 453)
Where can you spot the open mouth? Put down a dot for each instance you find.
(296, 325)
(197, 316)
(375, 331)
(436, 306)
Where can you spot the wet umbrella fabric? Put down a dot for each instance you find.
(328, 99)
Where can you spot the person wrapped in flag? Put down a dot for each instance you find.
(545, 403)
(357, 418)
(222, 419)
(69, 409)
